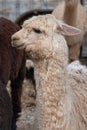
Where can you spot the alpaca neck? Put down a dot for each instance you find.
(51, 86)
(52, 70)
(70, 13)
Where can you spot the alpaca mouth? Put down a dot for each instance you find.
(20, 46)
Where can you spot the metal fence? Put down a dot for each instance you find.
(12, 9)
(85, 4)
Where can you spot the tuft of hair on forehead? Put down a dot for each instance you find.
(41, 22)
(45, 23)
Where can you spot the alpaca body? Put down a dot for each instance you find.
(77, 75)
(61, 105)
(73, 13)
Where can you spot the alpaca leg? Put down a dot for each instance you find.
(5, 109)
(16, 92)
(30, 77)
(74, 52)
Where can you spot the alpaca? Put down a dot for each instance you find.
(61, 90)
(12, 67)
(73, 13)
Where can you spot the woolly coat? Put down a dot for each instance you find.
(73, 14)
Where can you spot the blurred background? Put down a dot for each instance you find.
(13, 9)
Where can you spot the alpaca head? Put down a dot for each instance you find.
(41, 36)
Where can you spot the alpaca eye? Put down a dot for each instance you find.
(37, 30)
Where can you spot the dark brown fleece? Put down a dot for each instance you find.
(12, 65)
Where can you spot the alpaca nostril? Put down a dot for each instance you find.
(15, 38)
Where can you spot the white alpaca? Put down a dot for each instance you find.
(73, 13)
(61, 88)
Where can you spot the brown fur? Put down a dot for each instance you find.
(12, 65)
(5, 109)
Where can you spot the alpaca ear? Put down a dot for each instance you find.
(67, 30)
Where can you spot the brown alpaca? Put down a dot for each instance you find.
(12, 67)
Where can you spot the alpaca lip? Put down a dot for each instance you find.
(17, 46)
(21, 46)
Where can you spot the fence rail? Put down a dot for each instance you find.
(12, 9)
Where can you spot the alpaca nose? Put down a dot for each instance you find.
(15, 38)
